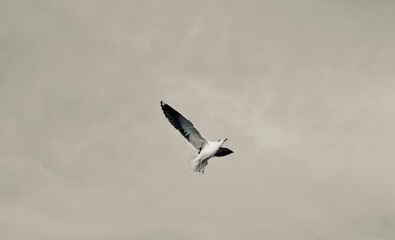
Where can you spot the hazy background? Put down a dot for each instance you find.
(304, 90)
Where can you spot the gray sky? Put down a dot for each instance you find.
(304, 90)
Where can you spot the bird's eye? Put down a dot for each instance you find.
(218, 140)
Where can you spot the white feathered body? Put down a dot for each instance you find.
(201, 160)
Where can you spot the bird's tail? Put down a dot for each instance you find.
(197, 165)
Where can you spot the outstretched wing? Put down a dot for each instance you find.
(186, 128)
(223, 152)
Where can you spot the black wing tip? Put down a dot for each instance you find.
(223, 152)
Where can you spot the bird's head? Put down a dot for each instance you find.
(222, 140)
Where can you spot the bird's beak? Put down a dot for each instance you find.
(225, 139)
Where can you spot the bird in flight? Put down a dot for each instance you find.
(204, 149)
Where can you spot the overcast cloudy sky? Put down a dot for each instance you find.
(304, 90)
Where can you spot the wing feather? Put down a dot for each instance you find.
(223, 152)
(184, 126)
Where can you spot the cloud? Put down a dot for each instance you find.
(302, 90)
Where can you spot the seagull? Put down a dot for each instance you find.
(204, 149)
